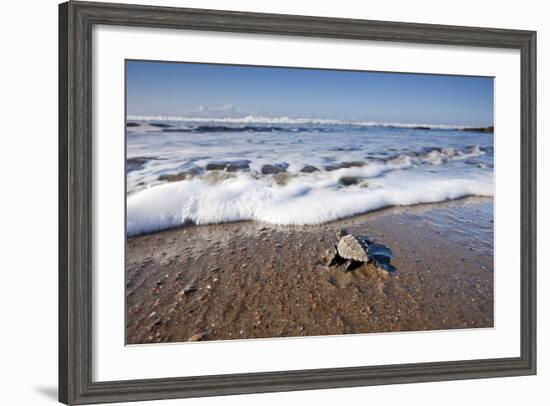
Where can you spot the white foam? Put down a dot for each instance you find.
(400, 166)
(308, 199)
(287, 120)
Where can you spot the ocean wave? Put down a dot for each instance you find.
(150, 171)
(437, 156)
(293, 121)
(428, 155)
(283, 176)
(235, 128)
(301, 201)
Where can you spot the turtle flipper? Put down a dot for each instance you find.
(335, 260)
(350, 265)
(381, 256)
(384, 266)
(332, 257)
(380, 251)
(382, 263)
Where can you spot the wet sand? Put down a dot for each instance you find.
(252, 280)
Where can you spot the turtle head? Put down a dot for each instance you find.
(342, 232)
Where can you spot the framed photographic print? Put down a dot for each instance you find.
(258, 202)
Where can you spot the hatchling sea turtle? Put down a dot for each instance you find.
(354, 251)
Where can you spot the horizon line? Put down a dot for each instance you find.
(260, 119)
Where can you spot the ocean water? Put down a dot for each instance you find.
(293, 171)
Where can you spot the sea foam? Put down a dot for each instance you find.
(351, 170)
(288, 120)
(305, 200)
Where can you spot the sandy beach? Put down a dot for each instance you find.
(254, 280)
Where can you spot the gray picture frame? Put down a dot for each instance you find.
(76, 20)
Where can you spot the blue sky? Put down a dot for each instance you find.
(165, 88)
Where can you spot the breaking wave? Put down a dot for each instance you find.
(293, 171)
(291, 121)
(306, 200)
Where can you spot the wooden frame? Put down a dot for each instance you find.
(76, 20)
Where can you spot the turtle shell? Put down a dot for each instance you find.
(353, 247)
